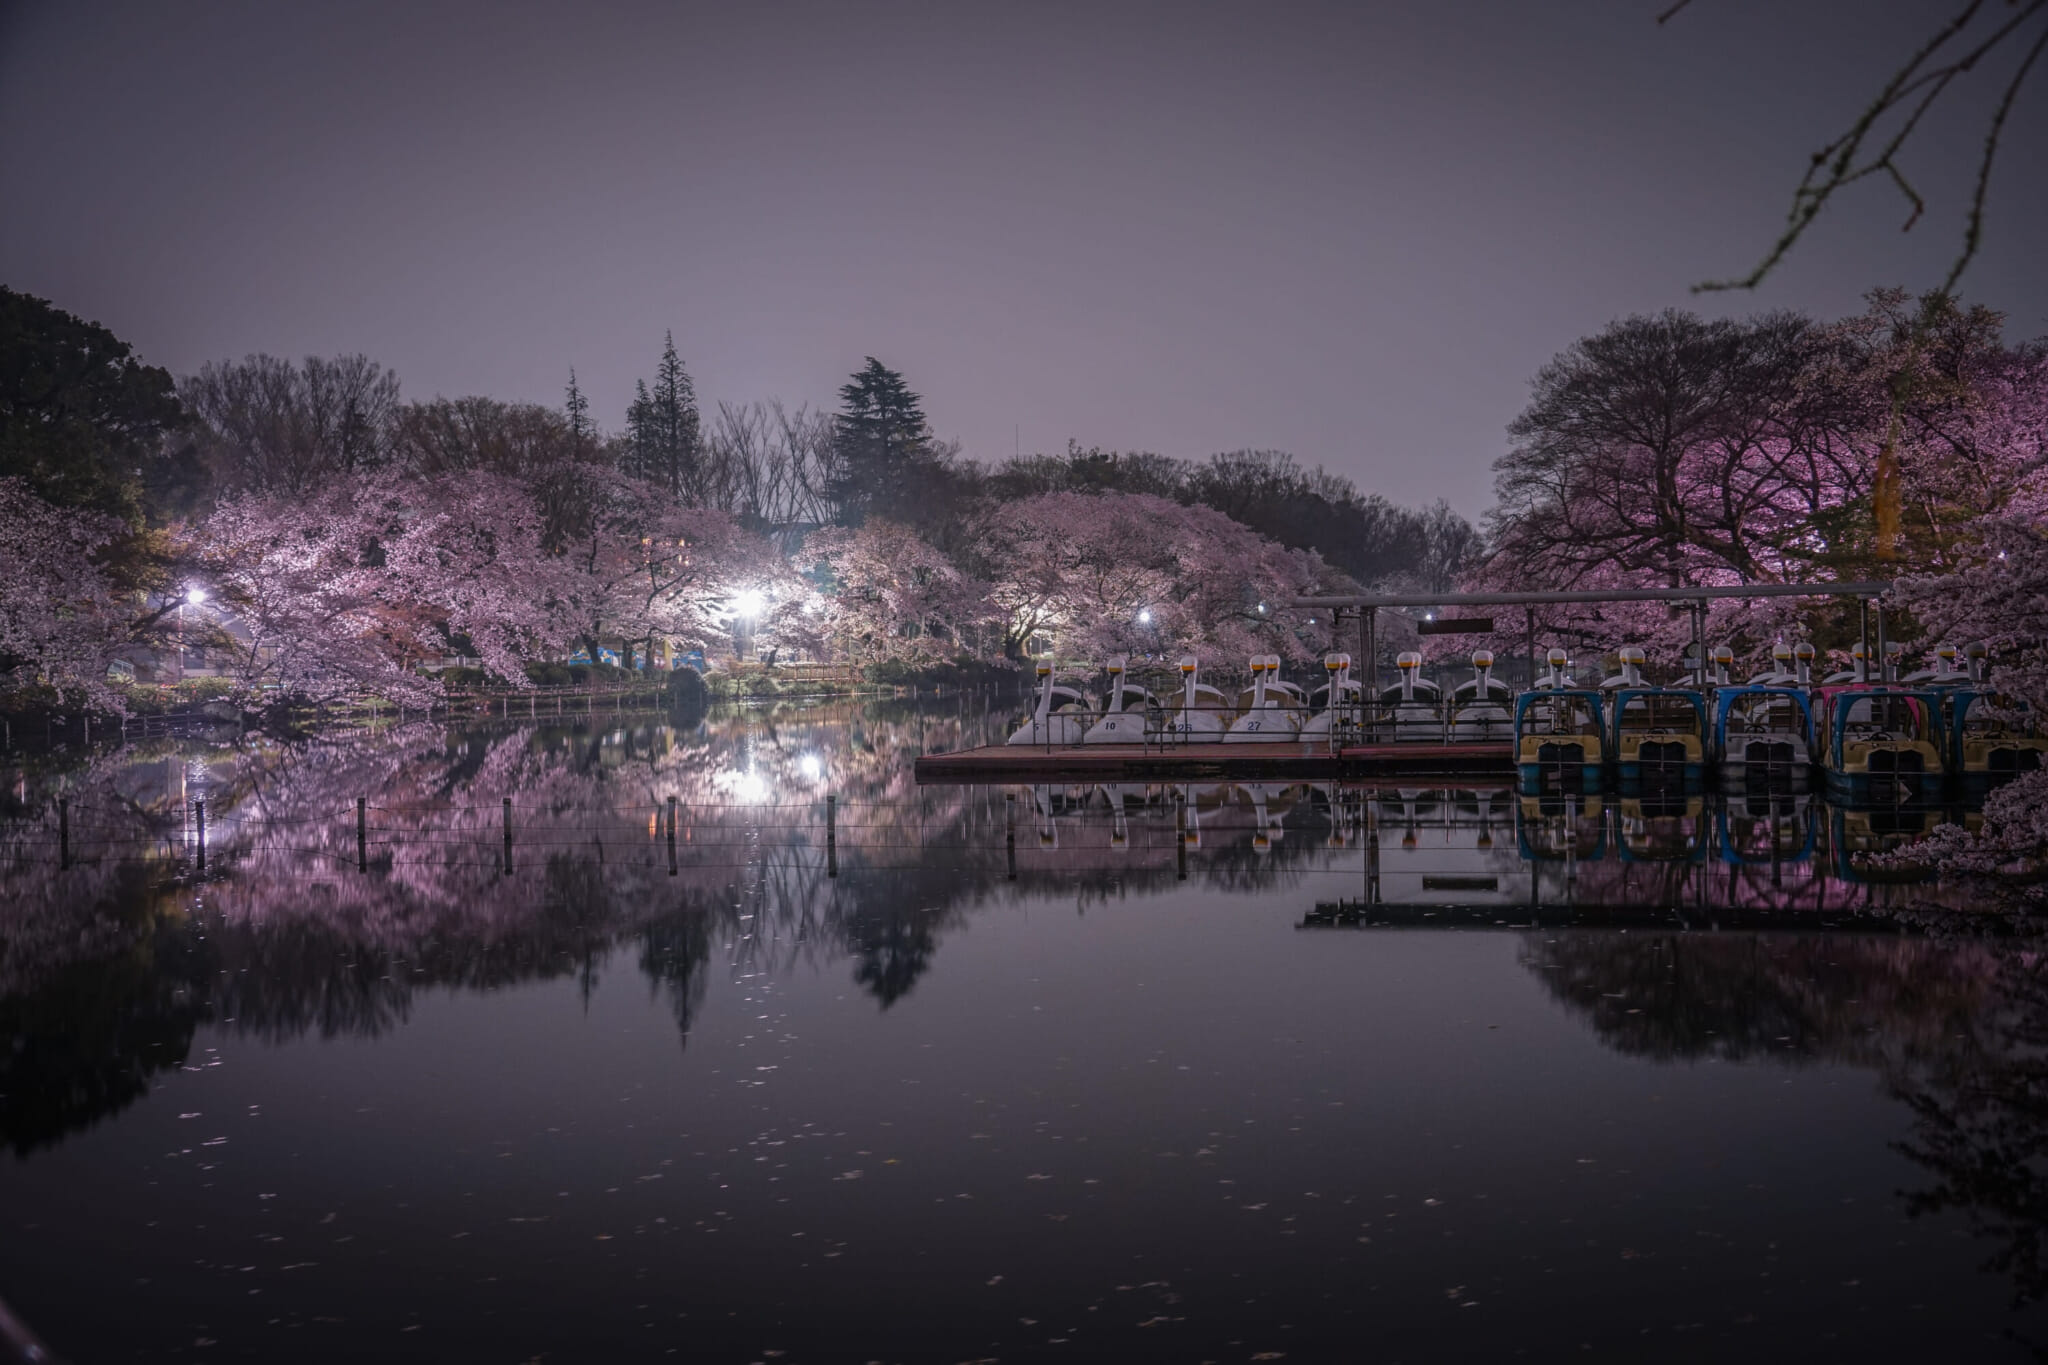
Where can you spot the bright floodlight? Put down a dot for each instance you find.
(749, 603)
(810, 767)
(195, 595)
(1145, 617)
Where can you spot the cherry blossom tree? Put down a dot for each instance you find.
(893, 595)
(62, 617)
(1137, 573)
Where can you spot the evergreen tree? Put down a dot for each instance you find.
(664, 429)
(82, 421)
(883, 443)
(577, 409)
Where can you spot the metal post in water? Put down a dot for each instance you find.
(508, 835)
(63, 833)
(1010, 830)
(1180, 836)
(671, 836)
(362, 834)
(199, 828)
(831, 836)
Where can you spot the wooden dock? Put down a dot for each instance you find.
(1295, 762)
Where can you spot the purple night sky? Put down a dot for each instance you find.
(1352, 231)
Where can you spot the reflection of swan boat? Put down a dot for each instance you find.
(1334, 702)
(1124, 718)
(1268, 705)
(1413, 700)
(1200, 714)
(1061, 716)
(1270, 804)
(1482, 703)
(1116, 793)
(1193, 801)
(1437, 847)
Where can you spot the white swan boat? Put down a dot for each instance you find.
(1414, 701)
(1269, 706)
(1334, 702)
(1483, 704)
(1062, 715)
(1200, 715)
(1124, 718)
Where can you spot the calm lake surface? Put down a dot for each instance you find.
(987, 1073)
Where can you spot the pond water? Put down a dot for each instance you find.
(1224, 1072)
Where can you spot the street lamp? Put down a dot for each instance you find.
(1145, 616)
(193, 596)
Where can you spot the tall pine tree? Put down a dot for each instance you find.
(577, 408)
(882, 442)
(664, 431)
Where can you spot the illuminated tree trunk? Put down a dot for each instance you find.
(1885, 492)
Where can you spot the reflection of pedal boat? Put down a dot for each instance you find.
(1200, 714)
(1767, 830)
(1662, 831)
(1124, 720)
(1481, 704)
(1334, 702)
(1269, 705)
(1414, 701)
(1061, 717)
(1557, 828)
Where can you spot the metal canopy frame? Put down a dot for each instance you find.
(1367, 606)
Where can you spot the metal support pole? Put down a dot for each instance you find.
(1370, 629)
(1010, 832)
(63, 834)
(1529, 625)
(199, 828)
(1863, 613)
(832, 837)
(671, 836)
(1884, 663)
(362, 834)
(508, 836)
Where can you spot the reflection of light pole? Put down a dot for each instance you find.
(746, 607)
(194, 596)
